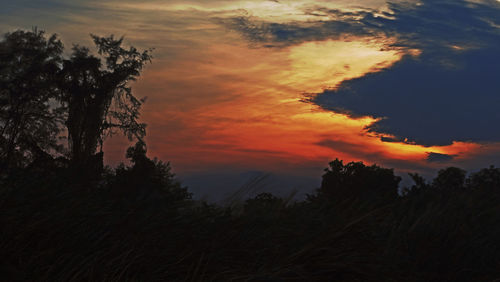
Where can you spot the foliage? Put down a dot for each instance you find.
(29, 121)
(41, 92)
(358, 180)
(146, 178)
(450, 178)
(98, 97)
(486, 179)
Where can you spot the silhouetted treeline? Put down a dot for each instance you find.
(136, 222)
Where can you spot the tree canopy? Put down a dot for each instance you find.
(358, 180)
(30, 123)
(44, 95)
(98, 97)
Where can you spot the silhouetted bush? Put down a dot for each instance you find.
(145, 179)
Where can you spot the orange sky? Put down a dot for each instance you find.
(233, 104)
(218, 101)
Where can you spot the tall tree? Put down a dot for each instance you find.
(98, 97)
(30, 121)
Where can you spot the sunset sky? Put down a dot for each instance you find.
(239, 88)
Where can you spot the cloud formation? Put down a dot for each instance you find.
(437, 157)
(449, 92)
(331, 24)
(218, 107)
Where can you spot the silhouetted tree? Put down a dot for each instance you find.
(30, 121)
(40, 93)
(486, 178)
(450, 178)
(359, 181)
(98, 97)
(147, 178)
(419, 185)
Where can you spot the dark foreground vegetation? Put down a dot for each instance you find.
(138, 224)
(65, 217)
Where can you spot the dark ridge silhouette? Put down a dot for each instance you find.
(138, 223)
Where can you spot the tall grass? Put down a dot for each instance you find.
(53, 231)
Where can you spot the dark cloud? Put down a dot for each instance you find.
(390, 139)
(284, 34)
(56, 9)
(437, 157)
(451, 92)
(427, 103)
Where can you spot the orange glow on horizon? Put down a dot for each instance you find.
(259, 115)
